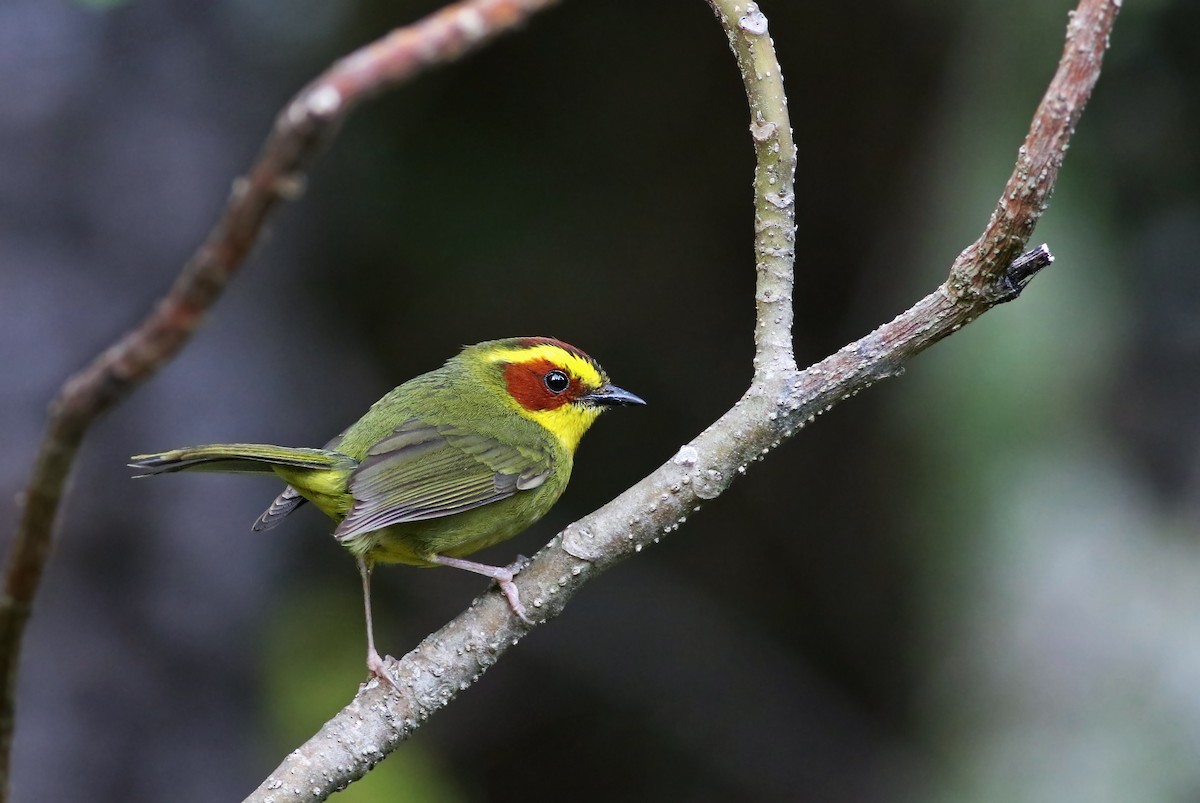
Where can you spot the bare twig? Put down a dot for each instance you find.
(300, 133)
(779, 401)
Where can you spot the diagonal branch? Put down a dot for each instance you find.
(301, 131)
(778, 403)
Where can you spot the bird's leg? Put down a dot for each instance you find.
(501, 574)
(374, 662)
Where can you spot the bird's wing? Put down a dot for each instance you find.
(422, 471)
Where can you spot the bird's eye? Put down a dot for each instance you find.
(557, 381)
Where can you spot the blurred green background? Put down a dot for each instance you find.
(979, 582)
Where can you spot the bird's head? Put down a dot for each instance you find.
(552, 383)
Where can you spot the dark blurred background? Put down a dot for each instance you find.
(979, 582)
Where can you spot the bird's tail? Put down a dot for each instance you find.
(255, 458)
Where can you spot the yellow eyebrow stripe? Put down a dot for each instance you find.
(577, 366)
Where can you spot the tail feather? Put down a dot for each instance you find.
(238, 457)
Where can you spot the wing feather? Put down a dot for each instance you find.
(424, 471)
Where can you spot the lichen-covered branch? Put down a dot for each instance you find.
(778, 403)
(300, 133)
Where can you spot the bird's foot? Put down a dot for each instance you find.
(377, 666)
(514, 600)
(511, 593)
(501, 574)
(518, 565)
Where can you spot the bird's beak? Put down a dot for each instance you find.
(611, 396)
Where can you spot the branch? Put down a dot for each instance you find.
(301, 132)
(778, 403)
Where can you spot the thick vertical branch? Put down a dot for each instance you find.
(774, 182)
(300, 133)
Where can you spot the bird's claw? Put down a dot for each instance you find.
(377, 666)
(511, 592)
(513, 595)
(518, 565)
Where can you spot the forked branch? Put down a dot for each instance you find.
(778, 403)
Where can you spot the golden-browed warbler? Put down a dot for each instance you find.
(450, 462)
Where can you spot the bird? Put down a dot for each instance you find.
(454, 460)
